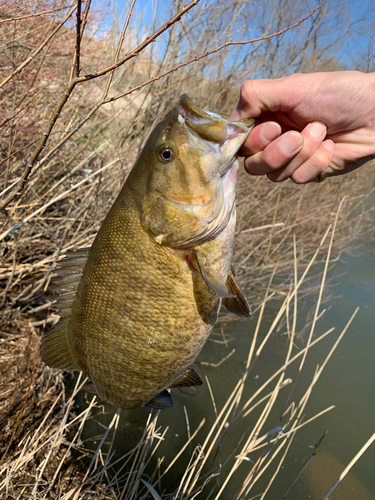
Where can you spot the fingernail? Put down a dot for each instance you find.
(235, 116)
(291, 143)
(330, 145)
(317, 129)
(270, 131)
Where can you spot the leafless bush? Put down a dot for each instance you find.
(77, 105)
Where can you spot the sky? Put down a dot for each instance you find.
(352, 48)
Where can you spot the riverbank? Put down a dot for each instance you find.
(52, 448)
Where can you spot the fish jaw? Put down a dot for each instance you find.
(190, 200)
(213, 133)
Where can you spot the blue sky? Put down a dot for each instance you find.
(351, 50)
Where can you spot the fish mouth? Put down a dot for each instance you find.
(199, 214)
(212, 133)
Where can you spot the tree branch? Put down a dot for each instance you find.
(210, 52)
(36, 14)
(33, 166)
(36, 51)
(78, 38)
(144, 44)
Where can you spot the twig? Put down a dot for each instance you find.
(36, 14)
(23, 107)
(305, 465)
(143, 45)
(212, 51)
(37, 50)
(11, 156)
(78, 38)
(68, 91)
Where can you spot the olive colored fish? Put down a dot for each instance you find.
(137, 307)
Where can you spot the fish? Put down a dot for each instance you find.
(137, 307)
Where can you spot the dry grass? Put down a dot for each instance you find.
(284, 232)
(42, 453)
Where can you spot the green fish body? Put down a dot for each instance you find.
(138, 306)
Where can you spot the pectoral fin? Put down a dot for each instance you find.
(161, 401)
(213, 280)
(237, 304)
(189, 378)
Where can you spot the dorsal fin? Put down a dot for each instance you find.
(188, 378)
(238, 304)
(55, 350)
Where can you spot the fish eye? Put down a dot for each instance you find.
(165, 154)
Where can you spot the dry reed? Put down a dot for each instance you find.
(284, 233)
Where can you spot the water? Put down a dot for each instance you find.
(347, 382)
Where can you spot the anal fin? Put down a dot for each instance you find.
(189, 378)
(162, 401)
(238, 304)
(89, 387)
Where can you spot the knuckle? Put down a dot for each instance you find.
(249, 89)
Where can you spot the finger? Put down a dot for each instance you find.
(260, 137)
(257, 96)
(314, 168)
(313, 135)
(275, 155)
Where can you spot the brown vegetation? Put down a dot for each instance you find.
(72, 158)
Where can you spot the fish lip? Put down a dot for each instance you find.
(188, 113)
(178, 202)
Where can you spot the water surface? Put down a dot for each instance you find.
(348, 382)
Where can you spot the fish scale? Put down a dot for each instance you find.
(138, 306)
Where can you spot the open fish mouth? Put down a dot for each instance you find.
(199, 201)
(212, 133)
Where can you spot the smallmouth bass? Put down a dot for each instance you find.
(137, 307)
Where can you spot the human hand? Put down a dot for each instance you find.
(312, 125)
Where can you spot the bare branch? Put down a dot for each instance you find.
(78, 38)
(118, 48)
(23, 107)
(68, 91)
(216, 49)
(144, 44)
(14, 154)
(36, 51)
(32, 166)
(36, 14)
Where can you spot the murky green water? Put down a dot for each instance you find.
(348, 382)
